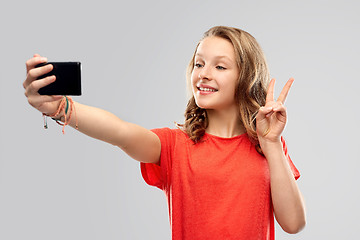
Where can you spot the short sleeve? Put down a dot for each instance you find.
(291, 164)
(157, 175)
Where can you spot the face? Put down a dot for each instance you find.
(215, 73)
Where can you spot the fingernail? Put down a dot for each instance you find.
(44, 59)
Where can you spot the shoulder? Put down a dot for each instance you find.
(169, 131)
(170, 135)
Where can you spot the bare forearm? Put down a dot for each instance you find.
(96, 123)
(138, 142)
(286, 197)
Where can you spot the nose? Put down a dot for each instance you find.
(205, 74)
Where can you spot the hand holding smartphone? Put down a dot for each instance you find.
(68, 79)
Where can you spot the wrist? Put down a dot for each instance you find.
(60, 106)
(268, 146)
(63, 113)
(60, 118)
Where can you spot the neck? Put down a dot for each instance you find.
(224, 123)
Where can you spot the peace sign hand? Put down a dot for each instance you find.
(271, 118)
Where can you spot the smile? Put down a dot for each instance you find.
(207, 89)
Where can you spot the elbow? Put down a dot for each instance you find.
(294, 221)
(295, 227)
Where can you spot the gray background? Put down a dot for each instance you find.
(134, 55)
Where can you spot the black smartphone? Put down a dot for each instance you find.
(68, 79)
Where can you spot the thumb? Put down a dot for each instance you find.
(264, 112)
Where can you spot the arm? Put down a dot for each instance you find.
(288, 203)
(138, 142)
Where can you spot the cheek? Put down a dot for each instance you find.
(234, 81)
(231, 86)
(193, 79)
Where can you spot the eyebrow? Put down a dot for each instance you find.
(216, 57)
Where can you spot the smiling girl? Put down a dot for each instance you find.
(226, 171)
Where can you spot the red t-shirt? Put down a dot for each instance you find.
(216, 189)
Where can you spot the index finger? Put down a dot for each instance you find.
(285, 91)
(32, 62)
(270, 91)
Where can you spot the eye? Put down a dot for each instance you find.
(220, 67)
(198, 65)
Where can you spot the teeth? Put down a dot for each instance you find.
(207, 89)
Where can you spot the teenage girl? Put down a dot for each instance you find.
(226, 171)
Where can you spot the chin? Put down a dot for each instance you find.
(205, 106)
(201, 104)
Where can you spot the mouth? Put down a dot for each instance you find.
(206, 89)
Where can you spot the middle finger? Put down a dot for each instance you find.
(34, 73)
(285, 91)
(34, 87)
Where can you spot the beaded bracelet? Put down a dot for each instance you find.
(64, 107)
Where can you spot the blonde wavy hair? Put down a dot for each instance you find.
(251, 86)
